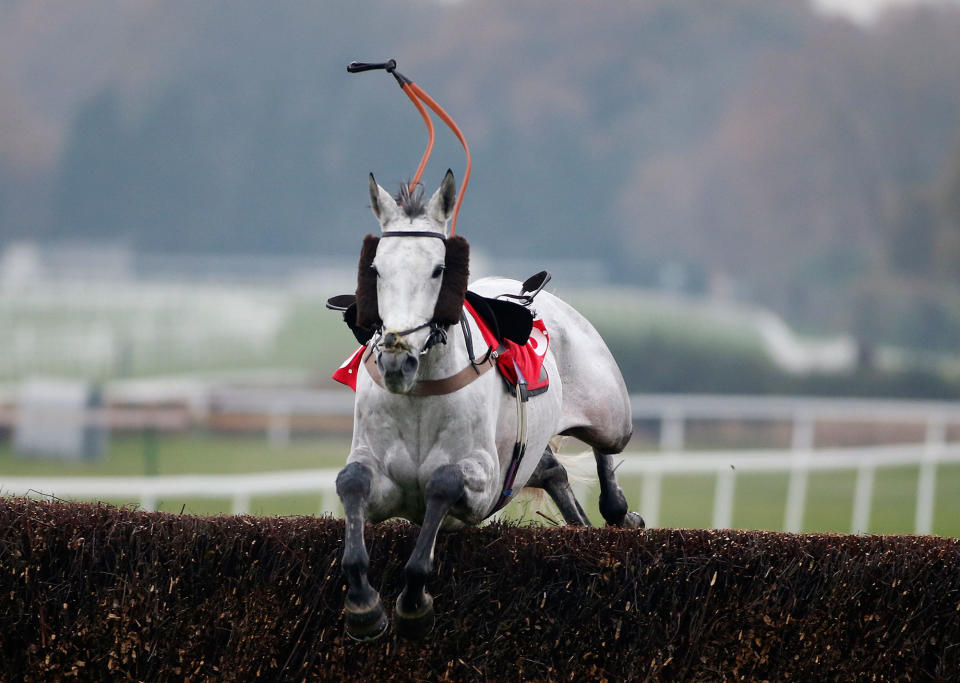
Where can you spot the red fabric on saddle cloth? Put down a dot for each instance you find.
(528, 358)
(347, 373)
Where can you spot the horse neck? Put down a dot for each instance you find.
(447, 359)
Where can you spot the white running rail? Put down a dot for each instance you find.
(726, 465)
(149, 490)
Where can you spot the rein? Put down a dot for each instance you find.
(419, 98)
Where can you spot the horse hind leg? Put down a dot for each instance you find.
(364, 614)
(613, 502)
(551, 476)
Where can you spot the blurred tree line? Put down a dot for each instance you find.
(753, 146)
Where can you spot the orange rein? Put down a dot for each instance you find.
(426, 119)
(430, 102)
(419, 98)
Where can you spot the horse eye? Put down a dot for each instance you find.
(374, 269)
(437, 272)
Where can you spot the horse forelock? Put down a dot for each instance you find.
(411, 200)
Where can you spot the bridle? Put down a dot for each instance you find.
(438, 335)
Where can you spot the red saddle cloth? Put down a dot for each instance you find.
(526, 358)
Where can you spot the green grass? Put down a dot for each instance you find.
(631, 315)
(98, 336)
(192, 331)
(686, 501)
(198, 454)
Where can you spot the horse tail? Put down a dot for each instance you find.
(534, 504)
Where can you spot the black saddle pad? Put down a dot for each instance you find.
(506, 319)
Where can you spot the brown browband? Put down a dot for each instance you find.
(436, 387)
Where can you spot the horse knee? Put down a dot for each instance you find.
(354, 482)
(447, 485)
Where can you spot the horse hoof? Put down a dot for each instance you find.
(633, 521)
(366, 625)
(417, 625)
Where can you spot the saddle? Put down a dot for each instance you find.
(516, 339)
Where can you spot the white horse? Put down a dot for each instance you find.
(439, 458)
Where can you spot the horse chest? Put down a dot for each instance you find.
(408, 437)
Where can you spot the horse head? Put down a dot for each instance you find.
(411, 281)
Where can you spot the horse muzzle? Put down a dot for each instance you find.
(398, 369)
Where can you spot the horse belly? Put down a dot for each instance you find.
(596, 403)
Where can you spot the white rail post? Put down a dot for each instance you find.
(278, 426)
(329, 502)
(927, 479)
(803, 434)
(862, 497)
(723, 499)
(148, 501)
(671, 428)
(241, 503)
(650, 498)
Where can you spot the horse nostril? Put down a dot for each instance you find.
(410, 365)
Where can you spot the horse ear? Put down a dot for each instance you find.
(453, 287)
(368, 310)
(440, 206)
(383, 205)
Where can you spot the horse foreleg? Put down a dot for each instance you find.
(551, 476)
(447, 486)
(364, 614)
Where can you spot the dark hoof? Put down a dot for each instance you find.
(417, 625)
(365, 625)
(632, 520)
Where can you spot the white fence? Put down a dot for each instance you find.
(238, 487)
(725, 465)
(671, 410)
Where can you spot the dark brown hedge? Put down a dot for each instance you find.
(114, 594)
